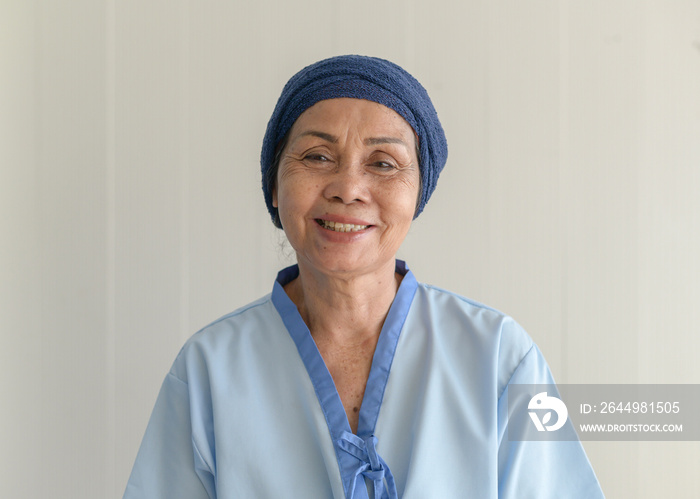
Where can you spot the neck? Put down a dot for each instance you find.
(347, 309)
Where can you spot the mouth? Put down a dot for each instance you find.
(338, 227)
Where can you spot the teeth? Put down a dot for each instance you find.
(338, 227)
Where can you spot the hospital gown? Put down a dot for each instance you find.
(249, 410)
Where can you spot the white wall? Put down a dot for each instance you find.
(132, 214)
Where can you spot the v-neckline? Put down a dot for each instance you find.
(322, 381)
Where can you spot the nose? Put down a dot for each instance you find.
(348, 183)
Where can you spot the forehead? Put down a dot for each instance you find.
(339, 114)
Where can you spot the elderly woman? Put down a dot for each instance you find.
(351, 379)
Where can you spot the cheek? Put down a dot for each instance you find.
(295, 196)
(402, 200)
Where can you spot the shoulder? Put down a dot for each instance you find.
(497, 337)
(235, 333)
(253, 311)
(483, 318)
(437, 292)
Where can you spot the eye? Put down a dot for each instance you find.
(385, 161)
(316, 157)
(384, 164)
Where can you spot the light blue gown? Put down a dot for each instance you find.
(249, 410)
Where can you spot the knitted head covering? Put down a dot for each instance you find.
(358, 77)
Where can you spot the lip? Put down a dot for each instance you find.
(332, 236)
(343, 219)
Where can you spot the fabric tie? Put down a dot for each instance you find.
(372, 465)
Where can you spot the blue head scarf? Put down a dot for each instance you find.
(358, 77)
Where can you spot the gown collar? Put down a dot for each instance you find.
(352, 466)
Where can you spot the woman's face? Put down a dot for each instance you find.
(347, 186)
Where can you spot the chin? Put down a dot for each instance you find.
(340, 267)
(336, 264)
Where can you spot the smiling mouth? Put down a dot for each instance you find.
(338, 227)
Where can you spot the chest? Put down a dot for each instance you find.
(427, 410)
(350, 368)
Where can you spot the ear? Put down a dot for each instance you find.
(274, 197)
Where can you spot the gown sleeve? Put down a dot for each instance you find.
(168, 464)
(540, 469)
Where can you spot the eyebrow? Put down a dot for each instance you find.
(321, 135)
(372, 141)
